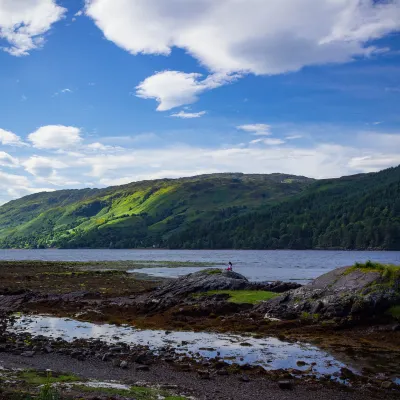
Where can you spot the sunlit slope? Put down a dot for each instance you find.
(138, 214)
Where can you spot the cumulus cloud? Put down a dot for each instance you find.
(173, 89)
(10, 139)
(256, 129)
(188, 115)
(43, 166)
(23, 23)
(7, 161)
(56, 137)
(255, 36)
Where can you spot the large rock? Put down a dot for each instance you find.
(180, 289)
(349, 293)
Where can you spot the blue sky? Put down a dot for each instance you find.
(112, 91)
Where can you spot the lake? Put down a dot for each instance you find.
(257, 265)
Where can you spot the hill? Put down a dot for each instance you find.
(354, 212)
(141, 214)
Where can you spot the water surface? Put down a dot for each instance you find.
(257, 265)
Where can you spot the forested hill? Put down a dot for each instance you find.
(141, 214)
(214, 211)
(355, 212)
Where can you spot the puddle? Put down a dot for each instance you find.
(269, 353)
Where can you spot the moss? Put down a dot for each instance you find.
(309, 317)
(244, 296)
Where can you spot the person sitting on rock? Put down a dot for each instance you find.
(230, 267)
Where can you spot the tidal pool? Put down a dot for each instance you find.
(269, 353)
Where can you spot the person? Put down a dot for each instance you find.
(230, 266)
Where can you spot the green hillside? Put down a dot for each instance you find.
(355, 212)
(141, 214)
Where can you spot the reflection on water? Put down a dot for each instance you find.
(257, 265)
(270, 353)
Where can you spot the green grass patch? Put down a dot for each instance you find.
(214, 271)
(138, 392)
(32, 377)
(244, 296)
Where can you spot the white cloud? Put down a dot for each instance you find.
(7, 161)
(43, 166)
(10, 139)
(23, 23)
(293, 137)
(56, 137)
(256, 36)
(188, 115)
(63, 91)
(268, 142)
(102, 147)
(173, 89)
(256, 129)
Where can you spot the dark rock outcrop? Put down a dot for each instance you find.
(180, 289)
(345, 294)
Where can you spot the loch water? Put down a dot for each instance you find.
(257, 265)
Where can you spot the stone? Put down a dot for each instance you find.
(124, 365)
(301, 363)
(27, 353)
(48, 349)
(387, 385)
(285, 385)
(346, 373)
(142, 368)
(204, 374)
(348, 295)
(244, 378)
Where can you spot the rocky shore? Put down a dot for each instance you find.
(348, 310)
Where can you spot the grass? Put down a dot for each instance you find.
(138, 392)
(32, 377)
(244, 296)
(214, 271)
(389, 272)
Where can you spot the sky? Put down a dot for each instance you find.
(105, 92)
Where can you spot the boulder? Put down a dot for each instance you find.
(344, 294)
(175, 291)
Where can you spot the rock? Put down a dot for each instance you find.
(285, 385)
(396, 328)
(387, 385)
(244, 378)
(27, 353)
(346, 373)
(301, 363)
(48, 349)
(178, 290)
(124, 365)
(346, 295)
(142, 368)
(204, 374)
(116, 363)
